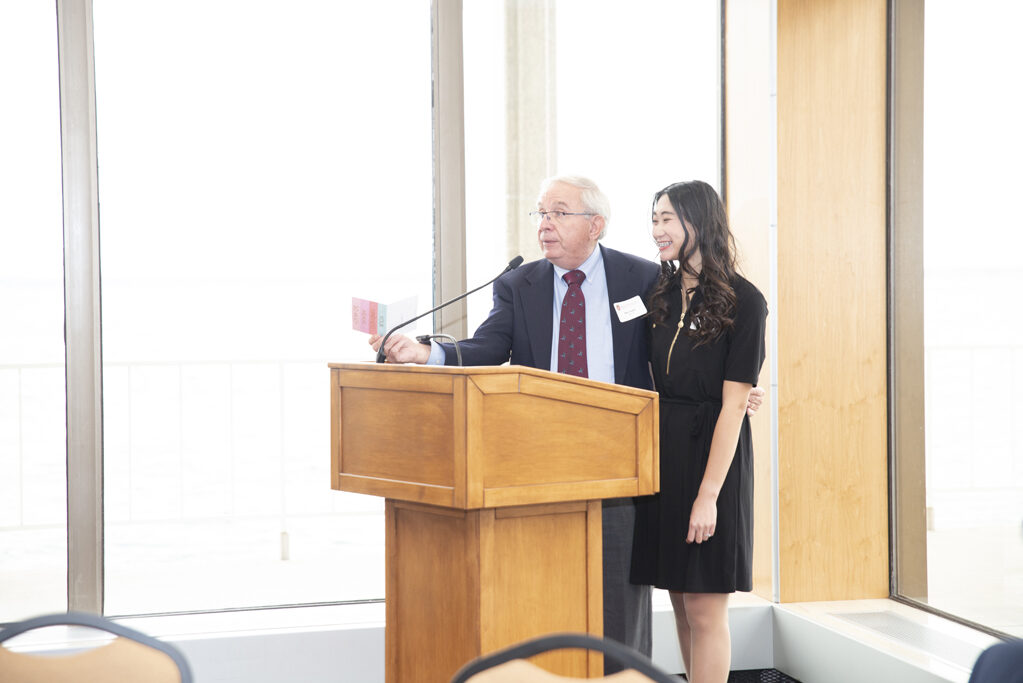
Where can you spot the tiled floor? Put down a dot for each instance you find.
(761, 676)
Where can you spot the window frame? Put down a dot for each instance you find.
(83, 332)
(906, 370)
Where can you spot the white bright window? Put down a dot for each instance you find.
(973, 335)
(259, 164)
(33, 489)
(635, 100)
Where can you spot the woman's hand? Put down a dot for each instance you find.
(703, 519)
(704, 515)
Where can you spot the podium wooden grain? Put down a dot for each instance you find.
(493, 478)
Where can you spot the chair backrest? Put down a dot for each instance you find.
(1000, 663)
(508, 665)
(131, 656)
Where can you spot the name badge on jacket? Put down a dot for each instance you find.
(629, 309)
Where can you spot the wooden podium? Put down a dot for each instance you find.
(493, 478)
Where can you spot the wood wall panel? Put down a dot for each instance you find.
(832, 431)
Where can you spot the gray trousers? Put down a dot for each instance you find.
(627, 608)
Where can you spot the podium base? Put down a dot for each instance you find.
(461, 583)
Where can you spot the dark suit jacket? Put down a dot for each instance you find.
(519, 327)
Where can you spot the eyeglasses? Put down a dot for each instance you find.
(556, 216)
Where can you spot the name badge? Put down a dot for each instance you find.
(630, 309)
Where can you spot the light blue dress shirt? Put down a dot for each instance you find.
(600, 359)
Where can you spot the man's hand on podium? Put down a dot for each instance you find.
(402, 349)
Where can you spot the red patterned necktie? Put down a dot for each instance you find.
(572, 335)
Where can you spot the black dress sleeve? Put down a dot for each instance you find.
(746, 336)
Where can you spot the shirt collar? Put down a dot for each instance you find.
(589, 266)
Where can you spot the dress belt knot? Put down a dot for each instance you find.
(705, 417)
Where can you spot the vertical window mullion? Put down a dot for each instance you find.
(82, 306)
(449, 166)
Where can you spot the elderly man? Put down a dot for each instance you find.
(596, 292)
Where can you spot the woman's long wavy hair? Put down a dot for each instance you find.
(696, 203)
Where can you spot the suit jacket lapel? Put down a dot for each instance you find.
(537, 300)
(618, 273)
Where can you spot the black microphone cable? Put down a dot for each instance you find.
(425, 339)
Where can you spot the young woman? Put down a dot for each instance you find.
(694, 538)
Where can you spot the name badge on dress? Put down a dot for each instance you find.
(630, 309)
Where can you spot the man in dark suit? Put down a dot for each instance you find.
(524, 328)
(571, 218)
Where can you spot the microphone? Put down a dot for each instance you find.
(381, 356)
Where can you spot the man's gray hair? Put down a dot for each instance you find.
(594, 201)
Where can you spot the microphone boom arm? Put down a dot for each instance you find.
(382, 356)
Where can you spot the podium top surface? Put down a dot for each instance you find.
(482, 370)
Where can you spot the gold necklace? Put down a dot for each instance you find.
(681, 323)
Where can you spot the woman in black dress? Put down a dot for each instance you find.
(694, 538)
